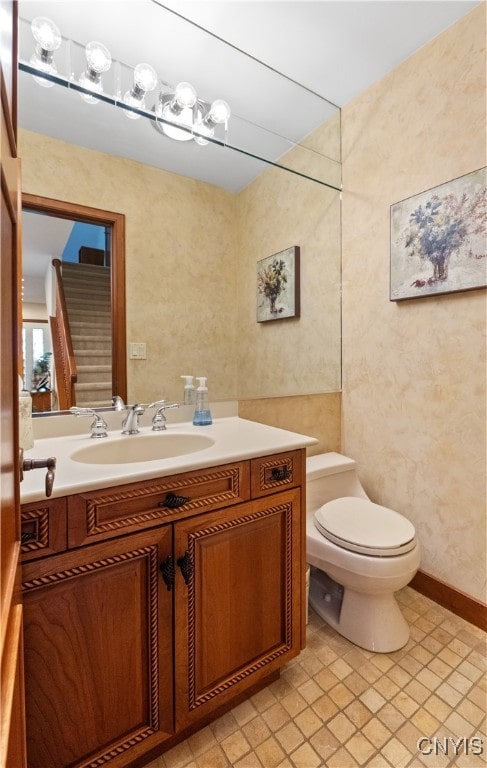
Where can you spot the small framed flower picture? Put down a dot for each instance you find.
(278, 285)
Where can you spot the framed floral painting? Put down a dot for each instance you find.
(438, 239)
(278, 285)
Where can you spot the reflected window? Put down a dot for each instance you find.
(37, 354)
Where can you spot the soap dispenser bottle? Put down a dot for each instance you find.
(189, 391)
(202, 414)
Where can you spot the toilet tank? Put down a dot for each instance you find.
(330, 476)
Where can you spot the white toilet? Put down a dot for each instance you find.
(360, 554)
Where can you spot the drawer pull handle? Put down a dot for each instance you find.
(186, 567)
(173, 501)
(27, 536)
(168, 572)
(280, 473)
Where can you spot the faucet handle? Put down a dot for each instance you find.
(159, 419)
(99, 426)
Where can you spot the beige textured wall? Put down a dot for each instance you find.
(181, 286)
(279, 210)
(295, 355)
(280, 360)
(414, 401)
(318, 416)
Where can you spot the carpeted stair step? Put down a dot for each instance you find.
(91, 272)
(76, 283)
(93, 342)
(85, 353)
(93, 373)
(89, 358)
(101, 277)
(79, 314)
(82, 305)
(94, 398)
(102, 389)
(82, 328)
(87, 290)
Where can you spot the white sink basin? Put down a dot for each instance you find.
(137, 448)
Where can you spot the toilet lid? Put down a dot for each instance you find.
(361, 526)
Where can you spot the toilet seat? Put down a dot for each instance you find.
(359, 525)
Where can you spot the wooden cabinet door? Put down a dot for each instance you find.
(237, 619)
(98, 653)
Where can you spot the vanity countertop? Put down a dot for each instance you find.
(235, 439)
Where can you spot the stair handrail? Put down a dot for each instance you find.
(64, 359)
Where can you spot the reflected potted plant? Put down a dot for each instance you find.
(41, 374)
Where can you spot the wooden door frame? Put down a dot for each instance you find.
(116, 221)
(12, 713)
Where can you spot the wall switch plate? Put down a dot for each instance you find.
(137, 350)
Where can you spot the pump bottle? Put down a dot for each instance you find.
(202, 414)
(189, 391)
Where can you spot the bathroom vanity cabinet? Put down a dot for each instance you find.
(152, 606)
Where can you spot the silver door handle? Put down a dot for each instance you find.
(26, 465)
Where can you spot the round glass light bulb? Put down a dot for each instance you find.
(46, 33)
(219, 112)
(185, 95)
(145, 77)
(98, 57)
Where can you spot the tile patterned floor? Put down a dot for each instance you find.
(338, 706)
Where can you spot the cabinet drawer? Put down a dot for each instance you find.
(273, 473)
(110, 512)
(43, 528)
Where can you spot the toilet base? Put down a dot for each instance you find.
(371, 621)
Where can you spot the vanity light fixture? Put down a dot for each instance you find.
(98, 61)
(145, 80)
(178, 112)
(48, 39)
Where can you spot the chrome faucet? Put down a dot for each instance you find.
(99, 426)
(130, 424)
(159, 418)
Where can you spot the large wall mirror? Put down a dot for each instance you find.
(77, 253)
(198, 218)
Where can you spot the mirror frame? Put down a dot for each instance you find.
(116, 222)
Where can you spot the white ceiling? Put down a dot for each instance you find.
(43, 239)
(335, 47)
